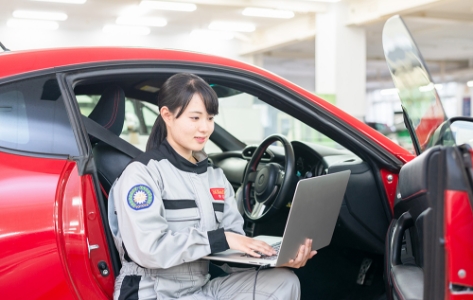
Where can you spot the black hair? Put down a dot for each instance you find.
(176, 93)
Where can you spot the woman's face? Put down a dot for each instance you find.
(191, 130)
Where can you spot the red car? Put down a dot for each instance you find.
(72, 119)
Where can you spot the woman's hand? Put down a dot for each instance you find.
(302, 256)
(248, 245)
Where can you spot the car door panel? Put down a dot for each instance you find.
(81, 237)
(433, 216)
(30, 261)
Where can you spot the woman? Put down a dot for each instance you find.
(168, 209)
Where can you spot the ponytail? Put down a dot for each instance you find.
(158, 134)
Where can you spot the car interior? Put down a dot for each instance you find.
(119, 108)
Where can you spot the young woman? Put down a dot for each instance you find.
(168, 209)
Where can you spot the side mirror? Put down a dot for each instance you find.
(462, 130)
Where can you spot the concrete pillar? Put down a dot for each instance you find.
(340, 61)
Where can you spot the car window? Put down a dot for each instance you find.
(246, 117)
(252, 120)
(33, 118)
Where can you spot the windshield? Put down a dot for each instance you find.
(423, 111)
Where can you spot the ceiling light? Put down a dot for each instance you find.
(133, 30)
(64, 1)
(163, 5)
(141, 21)
(232, 26)
(330, 1)
(134, 11)
(212, 34)
(32, 24)
(387, 92)
(430, 87)
(470, 83)
(268, 13)
(40, 15)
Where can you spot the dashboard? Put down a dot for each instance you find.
(364, 215)
(311, 160)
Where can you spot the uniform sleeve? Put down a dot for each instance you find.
(232, 219)
(144, 229)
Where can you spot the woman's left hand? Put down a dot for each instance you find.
(302, 257)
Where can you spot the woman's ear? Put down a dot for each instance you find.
(165, 114)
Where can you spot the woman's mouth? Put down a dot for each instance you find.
(200, 140)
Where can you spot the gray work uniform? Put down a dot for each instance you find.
(165, 214)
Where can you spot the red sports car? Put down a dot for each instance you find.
(72, 119)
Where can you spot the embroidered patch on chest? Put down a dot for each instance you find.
(218, 193)
(140, 197)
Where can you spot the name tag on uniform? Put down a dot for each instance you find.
(218, 193)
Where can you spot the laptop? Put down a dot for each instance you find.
(313, 214)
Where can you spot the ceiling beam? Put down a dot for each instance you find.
(283, 34)
(364, 12)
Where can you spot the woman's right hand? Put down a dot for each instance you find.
(248, 245)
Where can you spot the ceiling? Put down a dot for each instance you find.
(443, 31)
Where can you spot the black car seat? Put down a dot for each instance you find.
(111, 153)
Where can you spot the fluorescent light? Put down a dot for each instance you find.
(211, 34)
(64, 1)
(330, 1)
(426, 88)
(430, 87)
(164, 5)
(232, 26)
(470, 83)
(268, 13)
(134, 11)
(387, 92)
(119, 29)
(142, 21)
(40, 15)
(32, 24)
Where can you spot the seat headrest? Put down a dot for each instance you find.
(110, 110)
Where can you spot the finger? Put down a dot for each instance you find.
(263, 248)
(252, 253)
(308, 248)
(299, 257)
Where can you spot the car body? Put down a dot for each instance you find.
(53, 196)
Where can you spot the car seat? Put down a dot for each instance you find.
(111, 153)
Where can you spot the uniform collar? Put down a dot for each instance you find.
(180, 162)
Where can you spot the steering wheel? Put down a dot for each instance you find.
(272, 183)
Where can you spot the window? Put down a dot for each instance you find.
(244, 116)
(33, 118)
(251, 120)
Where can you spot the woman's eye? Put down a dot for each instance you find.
(195, 118)
(211, 118)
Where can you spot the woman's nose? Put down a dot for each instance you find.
(203, 126)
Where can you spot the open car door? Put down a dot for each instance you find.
(429, 245)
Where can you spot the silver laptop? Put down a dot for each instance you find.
(313, 214)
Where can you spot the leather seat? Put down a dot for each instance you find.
(110, 161)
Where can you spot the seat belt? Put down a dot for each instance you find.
(106, 136)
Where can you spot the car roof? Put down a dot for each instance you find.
(20, 62)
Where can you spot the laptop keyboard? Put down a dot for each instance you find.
(276, 247)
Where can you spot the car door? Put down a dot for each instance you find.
(429, 245)
(51, 233)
